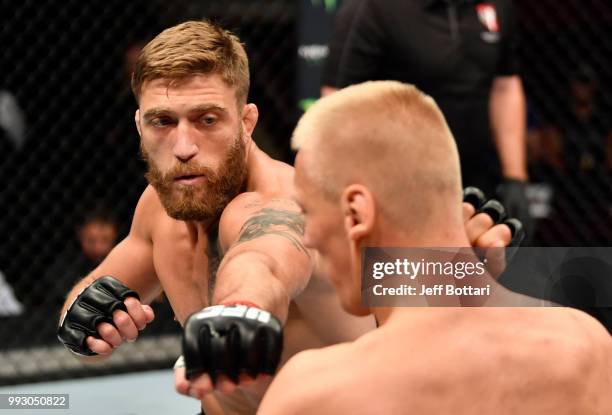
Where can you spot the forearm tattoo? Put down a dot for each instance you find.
(269, 221)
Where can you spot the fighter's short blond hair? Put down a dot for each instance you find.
(192, 48)
(387, 135)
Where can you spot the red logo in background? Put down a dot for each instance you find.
(488, 16)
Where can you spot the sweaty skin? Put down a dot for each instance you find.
(259, 236)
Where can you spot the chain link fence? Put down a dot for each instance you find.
(566, 58)
(69, 146)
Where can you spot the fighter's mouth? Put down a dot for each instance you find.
(189, 178)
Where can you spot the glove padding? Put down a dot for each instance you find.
(231, 340)
(496, 211)
(94, 305)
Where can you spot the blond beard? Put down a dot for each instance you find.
(205, 201)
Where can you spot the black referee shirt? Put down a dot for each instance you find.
(450, 49)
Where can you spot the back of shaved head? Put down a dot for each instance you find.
(393, 139)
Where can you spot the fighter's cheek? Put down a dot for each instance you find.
(153, 147)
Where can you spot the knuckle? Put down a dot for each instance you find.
(131, 302)
(106, 330)
(131, 335)
(139, 318)
(483, 220)
(121, 319)
(501, 234)
(111, 340)
(100, 327)
(505, 233)
(138, 322)
(468, 209)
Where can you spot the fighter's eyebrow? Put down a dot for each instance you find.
(207, 107)
(163, 111)
(156, 112)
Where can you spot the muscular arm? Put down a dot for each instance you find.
(265, 261)
(507, 112)
(131, 260)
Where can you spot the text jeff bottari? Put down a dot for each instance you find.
(438, 289)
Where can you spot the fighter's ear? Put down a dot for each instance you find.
(250, 114)
(137, 121)
(359, 211)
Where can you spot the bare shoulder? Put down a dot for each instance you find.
(312, 382)
(561, 342)
(591, 340)
(275, 180)
(147, 213)
(253, 201)
(271, 200)
(151, 220)
(593, 328)
(562, 353)
(282, 170)
(575, 354)
(252, 214)
(149, 201)
(577, 334)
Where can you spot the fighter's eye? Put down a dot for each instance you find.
(160, 121)
(208, 120)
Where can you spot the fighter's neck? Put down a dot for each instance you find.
(257, 164)
(445, 239)
(440, 235)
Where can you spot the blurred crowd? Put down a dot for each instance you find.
(570, 165)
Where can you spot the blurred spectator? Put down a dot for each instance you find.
(586, 127)
(575, 148)
(545, 150)
(463, 54)
(96, 235)
(9, 305)
(12, 120)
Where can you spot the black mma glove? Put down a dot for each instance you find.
(231, 340)
(513, 194)
(94, 305)
(496, 210)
